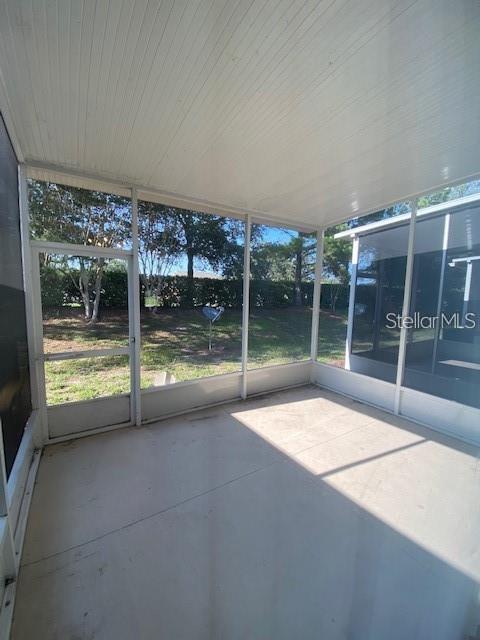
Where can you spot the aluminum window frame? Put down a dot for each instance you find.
(37, 247)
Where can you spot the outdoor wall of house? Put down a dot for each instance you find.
(379, 290)
(15, 400)
(444, 359)
(443, 345)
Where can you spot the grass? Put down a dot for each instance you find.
(175, 341)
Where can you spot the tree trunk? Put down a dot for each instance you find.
(98, 289)
(190, 284)
(298, 277)
(85, 293)
(335, 298)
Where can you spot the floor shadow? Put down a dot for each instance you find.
(237, 539)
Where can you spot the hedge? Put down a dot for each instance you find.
(58, 289)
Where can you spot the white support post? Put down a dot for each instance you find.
(135, 302)
(351, 303)
(38, 340)
(407, 292)
(466, 291)
(27, 281)
(446, 231)
(246, 303)
(317, 290)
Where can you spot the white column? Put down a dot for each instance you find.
(37, 319)
(27, 280)
(446, 231)
(317, 290)
(246, 303)
(407, 291)
(466, 293)
(351, 302)
(135, 301)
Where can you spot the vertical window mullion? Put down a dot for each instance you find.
(402, 347)
(135, 296)
(351, 302)
(317, 290)
(246, 303)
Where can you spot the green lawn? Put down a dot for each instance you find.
(175, 342)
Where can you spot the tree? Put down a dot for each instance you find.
(159, 246)
(167, 233)
(79, 216)
(208, 238)
(449, 193)
(336, 262)
(293, 260)
(271, 261)
(303, 249)
(383, 214)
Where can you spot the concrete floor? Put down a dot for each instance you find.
(298, 515)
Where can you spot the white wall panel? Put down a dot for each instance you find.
(455, 419)
(184, 396)
(17, 480)
(75, 417)
(366, 389)
(278, 377)
(452, 418)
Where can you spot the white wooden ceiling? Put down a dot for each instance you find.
(308, 110)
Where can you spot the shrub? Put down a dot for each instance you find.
(58, 289)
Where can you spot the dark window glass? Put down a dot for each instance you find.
(15, 403)
(443, 349)
(379, 292)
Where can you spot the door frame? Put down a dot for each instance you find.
(132, 350)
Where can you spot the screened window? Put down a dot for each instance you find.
(281, 291)
(335, 289)
(84, 302)
(86, 379)
(191, 279)
(60, 213)
(84, 309)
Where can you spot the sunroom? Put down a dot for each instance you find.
(240, 320)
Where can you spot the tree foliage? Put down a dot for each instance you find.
(276, 261)
(158, 246)
(168, 235)
(79, 216)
